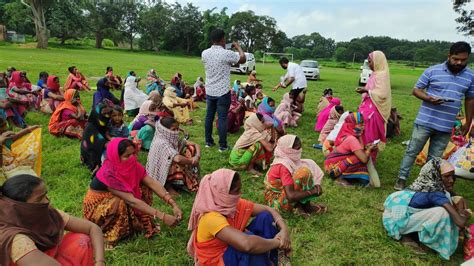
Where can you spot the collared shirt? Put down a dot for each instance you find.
(296, 71)
(217, 62)
(440, 82)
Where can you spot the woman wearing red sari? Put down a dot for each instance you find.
(376, 101)
(52, 95)
(69, 119)
(20, 90)
(32, 231)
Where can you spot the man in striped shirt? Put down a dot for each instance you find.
(441, 88)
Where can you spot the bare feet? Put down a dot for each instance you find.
(254, 172)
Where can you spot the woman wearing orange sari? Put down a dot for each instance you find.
(76, 80)
(218, 221)
(69, 117)
(32, 231)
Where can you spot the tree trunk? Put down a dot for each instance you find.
(131, 42)
(63, 39)
(40, 23)
(98, 40)
(188, 44)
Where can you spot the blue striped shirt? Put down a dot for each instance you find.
(439, 82)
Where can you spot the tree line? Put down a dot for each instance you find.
(157, 25)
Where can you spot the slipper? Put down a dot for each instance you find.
(320, 209)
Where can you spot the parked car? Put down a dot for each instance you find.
(365, 73)
(246, 67)
(310, 69)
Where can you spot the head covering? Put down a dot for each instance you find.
(446, 167)
(170, 97)
(291, 158)
(38, 221)
(99, 120)
(351, 121)
(331, 123)
(152, 74)
(323, 116)
(236, 87)
(121, 175)
(52, 86)
(429, 179)
(213, 196)
(378, 85)
(284, 106)
(164, 148)
(66, 104)
(103, 92)
(16, 80)
(254, 131)
(337, 128)
(268, 113)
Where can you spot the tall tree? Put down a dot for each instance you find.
(466, 16)
(104, 19)
(154, 25)
(66, 20)
(130, 24)
(17, 17)
(38, 7)
(212, 20)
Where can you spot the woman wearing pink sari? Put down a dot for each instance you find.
(376, 100)
(324, 114)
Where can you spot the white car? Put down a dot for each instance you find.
(310, 69)
(365, 73)
(246, 67)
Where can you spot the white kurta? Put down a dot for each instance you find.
(133, 97)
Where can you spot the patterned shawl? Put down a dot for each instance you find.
(164, 148)
(429, 179)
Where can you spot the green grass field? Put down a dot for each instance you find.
(351, 233)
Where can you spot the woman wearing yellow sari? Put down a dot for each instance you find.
(180, 107)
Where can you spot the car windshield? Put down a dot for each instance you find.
(309, 64)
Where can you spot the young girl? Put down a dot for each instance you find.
(117, 127)
(43, 77)
(259, 99)
(250, 98)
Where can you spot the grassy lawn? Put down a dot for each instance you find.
(351, 233)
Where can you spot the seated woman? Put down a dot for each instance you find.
(21, 90)
(286, 112)
(76, 80)
(221, 233)
(171, 161)
(115, 81)
(43, 78)
(69, 119)
(119, 199)
(20, 152)
(52, 95)
(324, 100)
(324, 114)
(199, 90)
(32, 231)
(10, 107)
(347, 163)
(267, 109)
(94, 137)
(238, 89)
(103, 94)
(426, 210)
(334, 116)
(293, 182)
(253, 146)
(133, 96)
(142, 128)
(252, 79)
(236, 114)
(154, 83)
(180, 107)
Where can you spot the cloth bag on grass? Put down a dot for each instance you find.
(463, 161)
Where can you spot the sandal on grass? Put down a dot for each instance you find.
(318, 209)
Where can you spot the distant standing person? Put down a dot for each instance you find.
(441, 88)
(294, 76)
(217, 62)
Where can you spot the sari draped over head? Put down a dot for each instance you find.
(291, 158)
(162, 151)
(284, 111)
(238, 90)
(124, 176)
(103, 94)
(18, 82)
(64, 105)
(51, 85)
(235, 117)
(38, 221)
(268, 113)
(348, 128)
(198, 83)
(254, 130)
(213, 196)
(330, 124)
(133, 97)
(170, 97)
(324, 114)
(378, 85)
(429, 179)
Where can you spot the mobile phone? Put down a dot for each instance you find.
(376, 141)
(228, 46)
(448, 100)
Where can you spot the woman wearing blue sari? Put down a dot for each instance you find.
(427, 210)
(267, 109)
(103, 94)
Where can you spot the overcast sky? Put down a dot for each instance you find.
(343, 20)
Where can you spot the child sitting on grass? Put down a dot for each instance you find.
(117, 127)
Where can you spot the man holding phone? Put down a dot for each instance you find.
(441, 88)
(217, 63)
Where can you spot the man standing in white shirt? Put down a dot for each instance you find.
(217, 63)
(294, 76)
